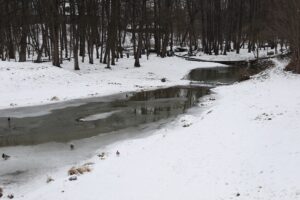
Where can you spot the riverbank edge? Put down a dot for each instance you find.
(35, 85)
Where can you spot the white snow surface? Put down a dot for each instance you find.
(233, 56)
(244, 146)
(28, 84)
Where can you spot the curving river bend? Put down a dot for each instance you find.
(37, 137)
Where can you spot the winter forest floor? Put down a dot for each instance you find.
(244, 145)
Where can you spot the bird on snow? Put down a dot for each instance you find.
(5, 156)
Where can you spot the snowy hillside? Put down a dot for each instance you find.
(244, 146)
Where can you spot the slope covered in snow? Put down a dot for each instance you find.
(244, 146)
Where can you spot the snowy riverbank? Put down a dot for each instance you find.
(244, 55)
(27, 84)
(244, 146)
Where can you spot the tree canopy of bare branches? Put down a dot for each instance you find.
(59, 30)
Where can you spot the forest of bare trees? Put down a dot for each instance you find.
(102, 30)
(286, 16)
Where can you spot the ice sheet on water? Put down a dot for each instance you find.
(98, 116)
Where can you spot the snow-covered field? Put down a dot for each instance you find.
(25, 84)
(244, 146)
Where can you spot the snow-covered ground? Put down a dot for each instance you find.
(244, 146)
(26, 84)
(233, 56)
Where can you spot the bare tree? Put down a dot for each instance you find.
(286, 23)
